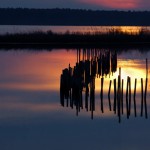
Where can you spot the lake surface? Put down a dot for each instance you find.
(62, 29)
(32, 116)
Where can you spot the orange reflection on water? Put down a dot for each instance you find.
(37, 71)
(135, 69)
(41, 71)
(34, 71)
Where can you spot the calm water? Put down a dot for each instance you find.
(62, 29)
(31, 116)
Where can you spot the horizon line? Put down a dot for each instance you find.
(84, 9)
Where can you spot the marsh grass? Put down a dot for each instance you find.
(113, 36)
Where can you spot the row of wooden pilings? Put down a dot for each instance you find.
(101, 62)
(72, 86)
(118, 92)
(94, 64)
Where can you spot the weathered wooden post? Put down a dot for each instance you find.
(141, 96)
(127, 105)
(118, 98)
(122, 96)
(134, 96)
(114, 96)
(109, 95)
(145, 103)
(102, 82)
(129, 96)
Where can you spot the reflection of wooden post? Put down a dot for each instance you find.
(86, 97)
(146, 89)
(122, 96)
(91, 53)
(114, 95)
(70, 94)
(120, 72)
(77, 108)
(145, 98)
(102, 82)
(129, 95)
(141, 96)
(146, 68)
(118, 98)
(61, 91)
(109, 95)
(67, 102)
(79, 55)
(127, 109)
(83, 53)
(92, 114)
(134, 97)
(81, 99)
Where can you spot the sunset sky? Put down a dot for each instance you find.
(81, 4)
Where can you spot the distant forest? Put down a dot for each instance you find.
(76, 17)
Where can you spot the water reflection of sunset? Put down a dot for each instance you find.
(42, 71)
(38, 72)
(90, 79)
(34, 71)
(133, 69)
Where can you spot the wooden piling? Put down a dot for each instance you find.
(77, 55)
(81, 99)
(120, 72)
(118, 98)
(67, 103)
(134, 96)
(129, 96)
(109, 95)
(77, 108)
(127, 109)
(61, 90)
(92, 114)
(145, 103)
(114, 96)
(83, 54)
(146, 68)
(122, 96)
(86, 97)
(141, 96)
(102, 82)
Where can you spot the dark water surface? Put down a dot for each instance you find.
(31, 116)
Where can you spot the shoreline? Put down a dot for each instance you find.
(114, 38)
(140, 45)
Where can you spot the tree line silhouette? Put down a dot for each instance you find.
(25, 16)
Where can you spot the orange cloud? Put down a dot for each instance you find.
(115, 4)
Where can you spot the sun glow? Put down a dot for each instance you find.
(129, 29)
(117, 4)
